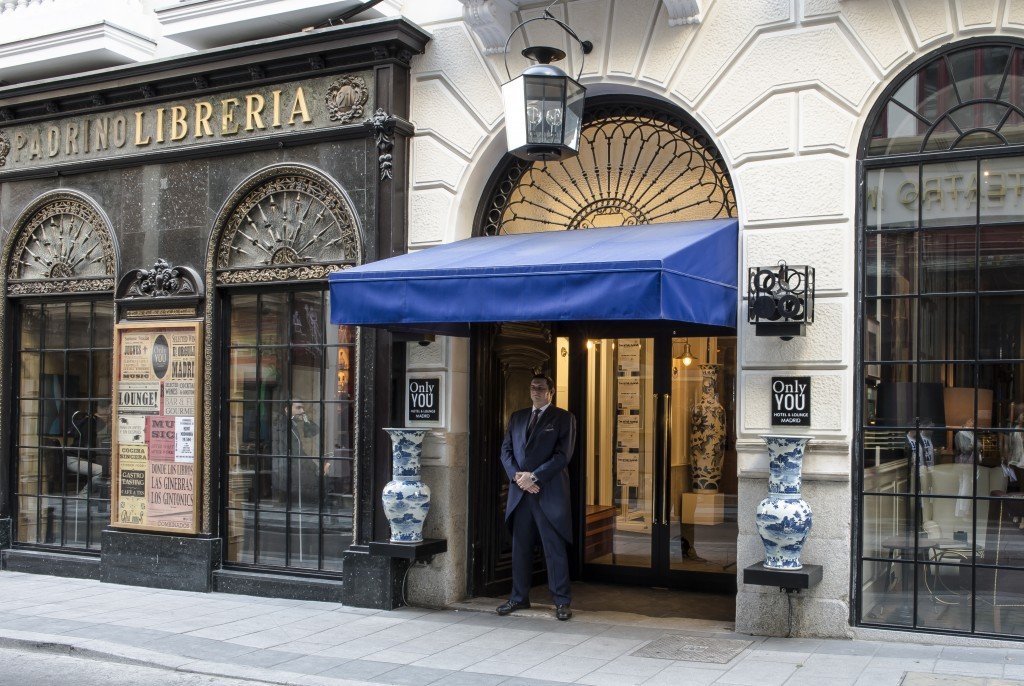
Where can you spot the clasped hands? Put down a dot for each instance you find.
(525, 481)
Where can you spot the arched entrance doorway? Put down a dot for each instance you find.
(636, 389)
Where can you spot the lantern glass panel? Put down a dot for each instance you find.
(545, 109)
(575, 94)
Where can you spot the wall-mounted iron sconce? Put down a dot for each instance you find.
(780, 300)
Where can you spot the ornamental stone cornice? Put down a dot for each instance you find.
(491, 20)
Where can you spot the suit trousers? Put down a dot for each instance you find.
(528, 521)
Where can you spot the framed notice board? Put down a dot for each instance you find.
(157, 409)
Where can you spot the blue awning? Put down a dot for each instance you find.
(678, 272)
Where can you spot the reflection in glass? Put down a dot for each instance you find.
(1000, 320)
(62, 441)
(620, 452)
(948, 261)
(705, 518)
(890, 264)
(949, 194)
(290, 452)
(244, 320)
(1002, 258)
(891, 198)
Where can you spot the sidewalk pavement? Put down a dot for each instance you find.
(326, 644)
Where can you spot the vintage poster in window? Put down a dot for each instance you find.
(629, 356)
(131, 489)
(156, 374)
(628, 394)
(627, 469)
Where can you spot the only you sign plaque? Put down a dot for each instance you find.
(791, 401)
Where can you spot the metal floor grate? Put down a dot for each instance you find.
(693, 648)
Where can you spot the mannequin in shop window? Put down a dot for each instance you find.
(296, 434)
(921, 458)
(1013, 453)
(967, 456)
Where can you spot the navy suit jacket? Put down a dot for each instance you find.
(547, 455)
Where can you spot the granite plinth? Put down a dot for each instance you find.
(6, 536)
(790, 579)
(373, 581)
(423, 550)
(180, 563)
(67, 565)
(277, 586)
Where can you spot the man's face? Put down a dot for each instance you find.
(540, 394)
(298, 409)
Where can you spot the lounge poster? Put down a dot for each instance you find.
(156, 372)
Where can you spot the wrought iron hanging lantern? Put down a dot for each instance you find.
(781, 299)
(544, 105)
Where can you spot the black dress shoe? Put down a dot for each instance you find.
(562, 612)
(510, 606)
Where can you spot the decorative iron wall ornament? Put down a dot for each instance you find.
(293, 220)
(64, 246)
(5, 148)
(382, 126)
(781, 299)
(163, 291)
(637, 164)
(162, 281)
(346, 98)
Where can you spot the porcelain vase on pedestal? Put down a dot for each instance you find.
(707, 433)
(406, 498)
(784, 518)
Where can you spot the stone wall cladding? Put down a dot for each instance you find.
(784, 88)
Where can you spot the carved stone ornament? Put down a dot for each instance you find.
(382, 125)
(162, 281)
(274, 274)
(64, 238)
(295, 217)
(5, 148)
(490, 20)
(346, 98)
(61, 286)
(682, 12)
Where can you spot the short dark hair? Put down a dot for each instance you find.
(547, 379)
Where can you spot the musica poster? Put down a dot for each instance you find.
(156, 370)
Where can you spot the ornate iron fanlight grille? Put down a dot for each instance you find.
(636, 165)
(288, 222)
(64, 245)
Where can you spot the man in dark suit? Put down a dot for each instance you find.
(535, 454)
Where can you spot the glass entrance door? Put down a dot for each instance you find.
(658, 488)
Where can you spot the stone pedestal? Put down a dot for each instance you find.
(6, 532)
(372, 581)
(180, 563)
(703, 508)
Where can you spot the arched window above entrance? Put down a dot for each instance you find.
(286, 222)
(969, 97)
(638, 164)
(62, 244)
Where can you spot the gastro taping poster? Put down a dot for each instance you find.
(157, 367)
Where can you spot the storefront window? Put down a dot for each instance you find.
(942, 390)
(288, 422)
(62, 419)
(289, 431)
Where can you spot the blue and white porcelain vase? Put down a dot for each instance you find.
(707, 433)
(784, 518)
(406, 498)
